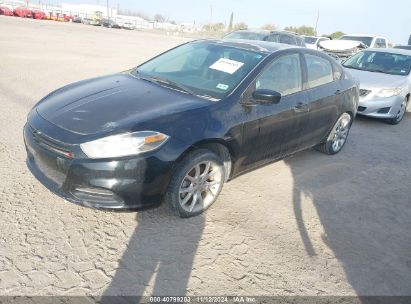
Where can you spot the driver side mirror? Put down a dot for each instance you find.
(266, 96)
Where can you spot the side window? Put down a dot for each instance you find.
(287, 39)
(319, 70)
(282, 75)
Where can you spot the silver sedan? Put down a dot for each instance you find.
(385, 82)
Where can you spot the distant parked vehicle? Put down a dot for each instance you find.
(409, 40)
(76, 19)
(128, 26)
(37, 14)
(348, 45)
(110, 24)
(96, 18)
(5, 11)
(59, 17)
(404, 47)
(23, 12)
(385, 82)
(271, 36)
(312, 42)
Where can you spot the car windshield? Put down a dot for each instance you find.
(310, 40)
(366, 40)
(204, 69)
(381, 62)
(246, 35)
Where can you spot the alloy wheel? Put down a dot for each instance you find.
(341, 132)
(200, 186)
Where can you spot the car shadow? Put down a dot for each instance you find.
(363, 201)
(159, 256)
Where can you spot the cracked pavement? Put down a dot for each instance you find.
(309, 225)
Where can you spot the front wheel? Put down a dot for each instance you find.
(337, 137)
(195, 184)
(400, 115)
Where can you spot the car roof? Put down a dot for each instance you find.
(391, 51)
(364, 35)
(253, 45)
(260, 31)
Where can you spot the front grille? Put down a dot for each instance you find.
(364, 92)
(51, 144)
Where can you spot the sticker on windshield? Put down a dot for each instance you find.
(226, 65)
(222, 86)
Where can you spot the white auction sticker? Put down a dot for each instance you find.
(226, 65)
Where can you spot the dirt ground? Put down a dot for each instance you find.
(309, 225)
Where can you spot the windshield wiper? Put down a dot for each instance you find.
(377, 71)
(167, 82)
(352, 67)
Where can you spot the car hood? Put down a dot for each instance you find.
(107, 103)
(369, 80)
(341, 45)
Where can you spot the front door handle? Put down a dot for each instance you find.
(302, 107)
(338, 92)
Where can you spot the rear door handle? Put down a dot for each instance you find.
(302, 107)
(338, 92)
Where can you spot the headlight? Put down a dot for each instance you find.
(388, 92)
(124, 144)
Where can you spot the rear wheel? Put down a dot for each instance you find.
(400, 115)
(195, 184)
(337, 137)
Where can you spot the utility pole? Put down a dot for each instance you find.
(108, 12)
(316, 23)
(211, 13)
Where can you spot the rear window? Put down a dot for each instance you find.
(319, 70)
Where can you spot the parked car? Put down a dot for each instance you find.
(4, 10)
(128, 25)
(312, 41)
(23, 12)
(272, 36)
(110, 23)
(77, 19)
(348, 45)
(96, 18)
(385, 80)
(37, 14)
(181, 124)
(404, 47)
(409, 40)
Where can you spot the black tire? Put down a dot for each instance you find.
(330, 145)
(179, 182)
(397, 119)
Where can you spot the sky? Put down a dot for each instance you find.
(390, 19)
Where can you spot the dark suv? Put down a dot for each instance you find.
(271, 36)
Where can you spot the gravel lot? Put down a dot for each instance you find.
(309, 225)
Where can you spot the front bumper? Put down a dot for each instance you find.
(384, 108)
(126, 183)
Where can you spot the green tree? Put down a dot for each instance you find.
(159, 18)
(240, 26)
(337, 35)
(301, 30)
(230, 24)
(214, 27)
(269, 26)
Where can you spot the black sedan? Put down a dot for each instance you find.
(177, 127)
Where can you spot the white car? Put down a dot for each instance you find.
(312, 42)
(385, 82)
(348, 45)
